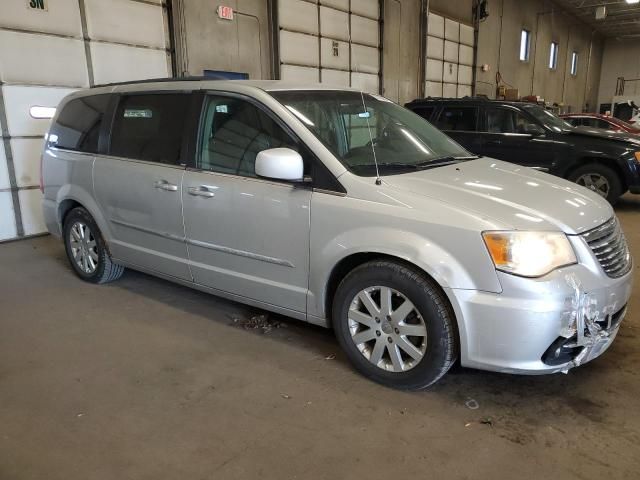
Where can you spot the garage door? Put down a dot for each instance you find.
(449, 65)
(330, 41)
(49, 48)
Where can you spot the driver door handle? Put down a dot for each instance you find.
(200, 191)
(164, 185)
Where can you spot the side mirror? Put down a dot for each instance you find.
(280, 164)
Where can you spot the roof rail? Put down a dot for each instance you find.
(155, 80)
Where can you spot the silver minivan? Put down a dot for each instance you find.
(342, 209)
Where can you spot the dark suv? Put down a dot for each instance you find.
(529, 135)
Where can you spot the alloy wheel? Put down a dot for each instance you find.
(596, 182)
(387, 329)
(83, 247)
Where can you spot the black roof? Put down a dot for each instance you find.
(464, 100)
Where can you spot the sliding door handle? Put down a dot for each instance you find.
(164, 185)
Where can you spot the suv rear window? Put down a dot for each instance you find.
(458, 118)
(149, 127)
(77, 127)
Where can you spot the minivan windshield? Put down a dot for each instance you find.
(547, 118)
(360, 129)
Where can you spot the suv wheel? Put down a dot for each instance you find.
(86, 249)
(395, 325)
(599, 178)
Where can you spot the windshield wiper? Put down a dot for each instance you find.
(442, 161)
(412, 166)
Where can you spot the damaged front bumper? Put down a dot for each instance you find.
(542, 325)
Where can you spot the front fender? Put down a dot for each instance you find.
(473, 271)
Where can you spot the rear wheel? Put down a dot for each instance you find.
(86, 249)
(395, 325)
(601, 179)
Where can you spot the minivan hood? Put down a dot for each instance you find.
(519, 197)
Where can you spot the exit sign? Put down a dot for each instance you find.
(226, 13)
(37, 5)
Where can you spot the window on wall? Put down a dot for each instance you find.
(574, 63)
(553, 56)
(525, 44)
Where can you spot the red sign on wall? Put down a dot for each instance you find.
(226, 13)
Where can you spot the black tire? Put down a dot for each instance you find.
(615, 188)
(105, 269)
(432, 305)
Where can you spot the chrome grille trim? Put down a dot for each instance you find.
(608, 244)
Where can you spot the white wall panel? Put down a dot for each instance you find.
(42, 59)
(19, 99)
(4, 173)
(26, 160)
(368, 8)
(450, 51)
(435, 25)
(7, 223)
(365, 30)
(450, 73)
(341, 4)
(335, 77)
(466, 55)
(466, 34)
(449, 90)
(118, 63)
(451, 30)
(298, 48)
(464, 91)
(30, 204)
(298, 15)
(434, 70)
(334, 23)
(433, 89)
(465, 75)
(63, 18)
(126, 22)
(366, 82)
(328, 59)
(365, 59)
(435, 48)
(299, 74)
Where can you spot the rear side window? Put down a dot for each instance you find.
(458, 118)
(150, 127)
(424, 112)
(78, 124)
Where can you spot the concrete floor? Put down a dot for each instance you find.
(148, 380)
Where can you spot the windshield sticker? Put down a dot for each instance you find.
(222, 109)
(364, 114)
(138, 113)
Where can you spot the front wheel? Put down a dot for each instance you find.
(601, 179)
(395, 325)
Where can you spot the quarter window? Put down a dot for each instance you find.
(458, 118)
(150, 127)
(234, 132)
(78, 124)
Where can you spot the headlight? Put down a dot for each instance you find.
(529, 254)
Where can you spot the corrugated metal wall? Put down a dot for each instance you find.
(46, 53)
(449, 65)
(330, 41)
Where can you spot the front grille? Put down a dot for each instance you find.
(610, 248)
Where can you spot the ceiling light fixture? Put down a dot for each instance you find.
(632, 1)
